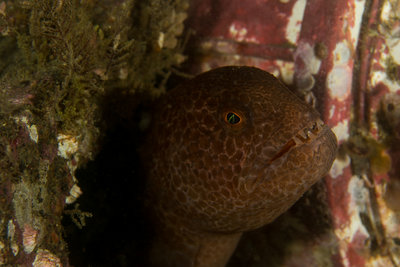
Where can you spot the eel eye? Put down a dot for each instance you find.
(232, 118)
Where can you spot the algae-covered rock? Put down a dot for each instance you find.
(58, 61)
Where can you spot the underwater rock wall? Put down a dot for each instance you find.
(343, 58)
(58, 61)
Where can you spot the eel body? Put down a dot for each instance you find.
(228, 151)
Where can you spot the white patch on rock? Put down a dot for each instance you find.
(295, 20)
(338, 166)
(341, 130)
(67, 145)
(74, 193)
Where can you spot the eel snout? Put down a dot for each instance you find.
(305, 136)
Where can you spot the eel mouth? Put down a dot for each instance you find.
(305, 136)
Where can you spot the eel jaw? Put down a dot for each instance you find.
(305, 136)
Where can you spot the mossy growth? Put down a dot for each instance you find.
(58, 61)
(392, 70)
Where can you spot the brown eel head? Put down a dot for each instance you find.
(232, 149)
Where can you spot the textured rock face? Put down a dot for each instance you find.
(229, 151)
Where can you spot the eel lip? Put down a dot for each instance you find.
(305, 136)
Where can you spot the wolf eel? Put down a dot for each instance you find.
(228, 151)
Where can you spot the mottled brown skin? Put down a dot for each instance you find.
(210, 180)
